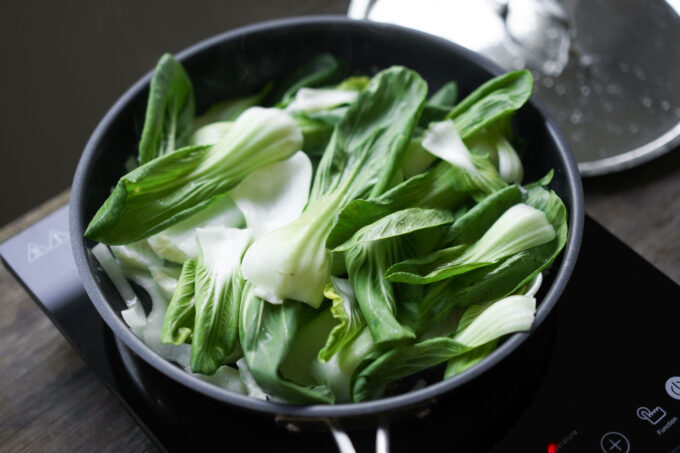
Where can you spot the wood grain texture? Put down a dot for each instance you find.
(642, 207)
(49, 398)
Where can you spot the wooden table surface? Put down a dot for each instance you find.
(50, 401)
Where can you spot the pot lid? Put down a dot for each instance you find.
(606, 70)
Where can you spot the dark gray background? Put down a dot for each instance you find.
(64, 63)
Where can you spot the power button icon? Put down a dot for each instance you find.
(673, 387)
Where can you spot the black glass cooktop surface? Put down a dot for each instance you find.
(602, 374)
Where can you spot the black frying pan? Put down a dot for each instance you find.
(239, 62)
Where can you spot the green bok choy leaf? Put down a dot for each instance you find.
(168, 123)
(217, 294)
(323, 70)
(172, 187)
(507, 276)
(178, 323)
(396, 224)
(521, 227)
(346, 311)
(446, 185)
(377, 297)
(267, 332)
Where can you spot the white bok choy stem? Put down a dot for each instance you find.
(483, 325)
(500, 152)
(510, 166)
(443, 140)
(134, 315)
(535, 285)
(315, 99)
(301, 266)
(226, 377)
(137, 255)
(519, 228)
(147, 328)
(151, 334)
(166, 278)
(275, 195)
(211, 133)
(272, 200)
(508, 315)
(178, 242)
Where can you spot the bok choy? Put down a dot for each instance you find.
(361, 159)
(172, 187)
(329, 234)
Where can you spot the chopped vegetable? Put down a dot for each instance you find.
(169, 116)
(346, 311)
(444, 141)
(362, 156)
(218, 286)
(174, 186)
(519, 228)
(512, 314)
(353, 233)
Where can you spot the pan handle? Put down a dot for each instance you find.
(382, 435)
(344, 443)
(341, 438)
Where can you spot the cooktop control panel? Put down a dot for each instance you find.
(647, 423)
(613, 379)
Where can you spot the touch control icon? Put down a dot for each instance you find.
(673, 387)
(614, 442)
(653, 416)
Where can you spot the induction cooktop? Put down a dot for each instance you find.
(602, 374)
